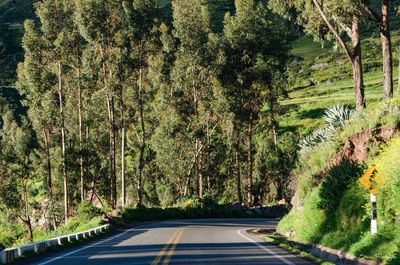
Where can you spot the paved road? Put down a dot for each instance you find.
(208, 241)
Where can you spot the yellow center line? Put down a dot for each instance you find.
(172, 249)
(165, 248)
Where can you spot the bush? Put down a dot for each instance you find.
(165, 195)
(86, 211)
(186, 208)
(336, 182)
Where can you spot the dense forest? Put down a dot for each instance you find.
(124, 106)
(146, 103)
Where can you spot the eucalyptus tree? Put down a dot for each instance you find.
(102, 25)
(33, 80)
(142, 33)
(256, 52)
(17, 144)
(43, 75)
(382, 21)
(191, 80)
(332, 20)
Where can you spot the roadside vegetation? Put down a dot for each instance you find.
(187, 109)
(331, 208)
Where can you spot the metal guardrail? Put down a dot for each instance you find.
(8, 255)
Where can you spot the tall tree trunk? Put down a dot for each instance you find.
(237, 162)
(201, 178)
(207, 151)
(354, 57)
(110, 106)
(274, 122)
(386, 51)
(143, 142)
(114, 161)
(49, 174)
(357, 64)
(250, 161)
(123, 184)
(398, 81)
(81, 162)
(196, 169)
(27, 219)
(63, 139)
(48, 159)
(196, 114)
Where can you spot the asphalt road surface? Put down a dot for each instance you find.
(207, 241)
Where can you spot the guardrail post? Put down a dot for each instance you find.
(3, 257)
(9, 255)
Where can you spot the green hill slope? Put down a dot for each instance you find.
(331, 208)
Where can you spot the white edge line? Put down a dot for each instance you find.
(90, 246)
(239, 232)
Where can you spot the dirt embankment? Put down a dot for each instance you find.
(357, 147)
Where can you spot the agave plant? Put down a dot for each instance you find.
(335, 118)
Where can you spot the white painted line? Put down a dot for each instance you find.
(273, 253)
(90, 246)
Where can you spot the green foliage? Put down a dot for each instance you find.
(190, 207)
(274, 164)
(336, 213)
(183, 89)
(335, 118)
(86, 211)
(335, 183)
(165, 195)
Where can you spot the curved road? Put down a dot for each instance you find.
(205, 241)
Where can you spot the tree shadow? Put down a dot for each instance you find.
(136, 247)
(312, 113)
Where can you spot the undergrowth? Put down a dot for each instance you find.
(335, 211)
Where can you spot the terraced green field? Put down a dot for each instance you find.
(330, 75)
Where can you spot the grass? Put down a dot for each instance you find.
(345, 227)
(295, 249)
(345, 224)
(317, 89)
(74, 242)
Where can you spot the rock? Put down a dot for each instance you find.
(291, 234)
(341, 61)
(239, 207)
(257, 210)
(249, 212)
(319, 66)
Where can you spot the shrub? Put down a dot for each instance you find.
(165, 195)
(336, 182)
(86, 211)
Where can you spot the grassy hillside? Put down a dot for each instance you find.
(332, 209)
(322, 77)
